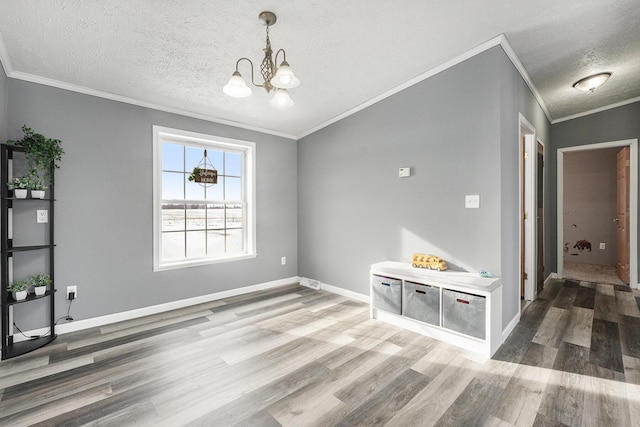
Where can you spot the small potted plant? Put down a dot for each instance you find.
(37, 189)
(19, 289)
(42, 153)
(20, 186)
(40, 283)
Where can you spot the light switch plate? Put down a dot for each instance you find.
(472, 201)
(42, 216)
(404, 172)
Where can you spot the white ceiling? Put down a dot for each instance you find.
(177, 55)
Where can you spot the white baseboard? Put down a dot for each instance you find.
(79, 325)
(345, 293)
(510, 327)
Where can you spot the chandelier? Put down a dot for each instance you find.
(276, 79)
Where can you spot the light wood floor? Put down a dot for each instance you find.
(297, 357)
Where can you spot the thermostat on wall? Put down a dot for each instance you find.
(472, 201)
(404, 172)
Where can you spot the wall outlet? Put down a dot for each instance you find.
(472, 201)
(42, 216)
(73, 289)
(603, 245)
(283, 260)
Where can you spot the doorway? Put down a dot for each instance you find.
(531, 213)
(597, 212)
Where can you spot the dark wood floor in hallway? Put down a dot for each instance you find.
(294, 356)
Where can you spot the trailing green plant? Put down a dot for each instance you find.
(41, 152)
(20, 183)
(38, 280)
(194, 174)
(20, 285)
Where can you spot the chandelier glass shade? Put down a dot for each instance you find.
(276, 79)
(281, 98)
(237, 87)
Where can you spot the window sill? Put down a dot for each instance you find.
(200, 262)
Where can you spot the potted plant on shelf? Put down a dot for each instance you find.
(19, 289)
(20, 186)
(37, 189)
(40, 153)
(40, 283)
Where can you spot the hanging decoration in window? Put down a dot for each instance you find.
(205, 173)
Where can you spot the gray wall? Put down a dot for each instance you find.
(3, 105)
(3, 114)
(458, 139)
(590, 204)
(103, 217)
(611, 125)
(515, 99)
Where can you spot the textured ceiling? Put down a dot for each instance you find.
(177, 55)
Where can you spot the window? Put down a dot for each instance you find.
(200, 223)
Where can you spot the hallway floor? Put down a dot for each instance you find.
(588, 337)
(591, 273)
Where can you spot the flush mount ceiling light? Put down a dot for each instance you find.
(591, 83)
(280, 78)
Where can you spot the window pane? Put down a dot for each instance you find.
(214, 192)
(196, 244)
(172, 217)
(214, 158)
(193, 157)
(234, 241)
(234, 218)
(196, 217)
(232, 188)
(215, 243)
(172, 185)
(195, 191)
(232, 164)
(172, 157)
(172, 246)
(215, 216)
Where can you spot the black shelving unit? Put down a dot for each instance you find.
(8, 250)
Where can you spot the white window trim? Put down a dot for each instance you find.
(249, 184)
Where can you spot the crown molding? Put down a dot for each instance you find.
(511, 54)
(111, 96)
(500, 40)
(4, 58)
(596, 110)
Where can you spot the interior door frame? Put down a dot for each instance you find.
(528, 172)
(633, 203)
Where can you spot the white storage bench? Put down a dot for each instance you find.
(459, 308)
